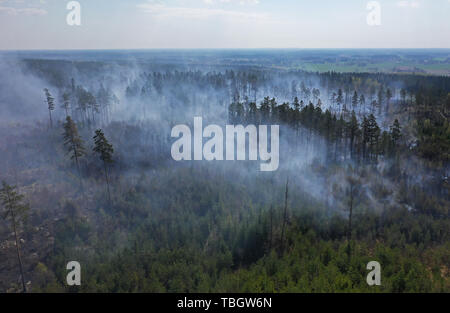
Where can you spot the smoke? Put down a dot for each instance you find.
(21, 95)
(151, 98)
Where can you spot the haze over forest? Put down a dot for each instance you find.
(85, 138)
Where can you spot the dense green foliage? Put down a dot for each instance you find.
(376, 187)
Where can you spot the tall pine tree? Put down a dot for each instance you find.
(105, 151)
(50, 105)
(73, 143)
(15, 211)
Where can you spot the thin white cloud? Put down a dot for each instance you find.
(163, 11)
(409, 4)
(22, 11)
(22, 7)
(241, 2)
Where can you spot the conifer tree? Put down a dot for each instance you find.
(381, 96)
(15, 211)
(396, 132)
(340, 98)
(50, 105)
(388, 99)
(285, 214)
(403, 95)
(362, 103)
(73, 143)
(373, 135)
(365, 137)
(355, 100)
(66, 103)
(352, 193)
(296, 104)
(352, 129)
(105, 151)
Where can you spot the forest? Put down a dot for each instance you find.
(87, 175)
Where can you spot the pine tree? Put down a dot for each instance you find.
(66, 102)
(396, 132)
(265, 109)
(355, 100)
(352, 129)
(271, 228)
(339, 129)
(403, 95)
(316, 94)
(285, 214)
(373, 135)
(14, 210)
(362, 103)
(296, 104)
(395, 136)
(105, 151)
(328, 126)
(232, 113)
(374, 106)
(319, 104)
(252, 113)
(104, 99)
(365, 137)
(351, 197)
(339, 99)
(380, 98)
(352, 192)
(273, 105)
(50, 105)
(388, 99)
(333, 99)
(73, 143)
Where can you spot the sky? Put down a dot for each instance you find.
(231, 24)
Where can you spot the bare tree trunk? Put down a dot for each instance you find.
(349, 235)
(271, 228)
(285, 214)
(107, 181)
(79, 170)
(17, 248)
(50, 115)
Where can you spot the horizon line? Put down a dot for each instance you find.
(204, 49)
